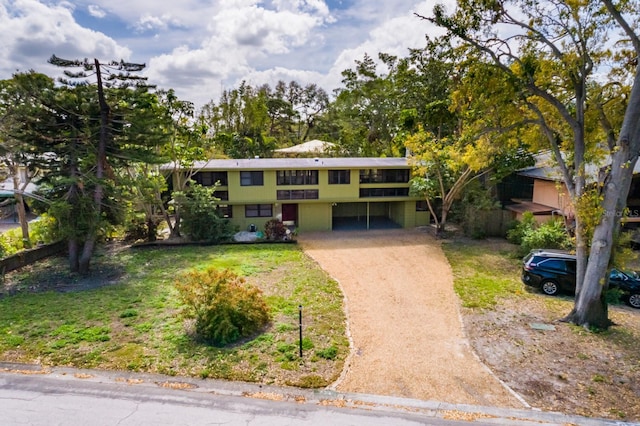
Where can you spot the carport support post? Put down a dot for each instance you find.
(300, 326)
(368, 213)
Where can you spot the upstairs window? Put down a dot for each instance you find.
(297, 194)
(383, 192)
(339, 177)
(210, 178)
(384, 176)
(297, 177)
(252, 178)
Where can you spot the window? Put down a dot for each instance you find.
(421, 206)
(297, 194)
(384, 176)
(555, 264)
(297, 177)
(251, 178)
(339, 177)
(225, 211)
(222, 195)
(383, 192)
(258, 210)
(210, 178)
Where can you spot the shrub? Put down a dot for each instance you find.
(224, 306)
(200, 218)
(42, 230)
(518, 228)
(614, 296)
(549, 235)
(275, 230)
(329, 353)
(135, 227)
(529, 235)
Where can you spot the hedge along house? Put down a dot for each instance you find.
(314, 194)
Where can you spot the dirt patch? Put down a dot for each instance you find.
(560, 367)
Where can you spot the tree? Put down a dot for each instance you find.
(19, 99)
(185, 144)
(548, 53)
(461, 145)
(238, 123)
(306, 104)
(90, 136)
(200, 215)
(366, 111)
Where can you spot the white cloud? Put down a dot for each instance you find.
(198, 47)
(32, 32)
(153, 22)
(238, 34)
(96, 11)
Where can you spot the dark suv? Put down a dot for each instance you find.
(553, 271)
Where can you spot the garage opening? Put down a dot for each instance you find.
(362, 216)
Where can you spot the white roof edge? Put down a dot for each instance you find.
(297, 163)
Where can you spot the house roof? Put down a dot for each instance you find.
(298, 163)
(310, 147)
(546, 168)
(529, 206)
(543, 173)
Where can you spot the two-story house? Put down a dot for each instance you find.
(315, 194)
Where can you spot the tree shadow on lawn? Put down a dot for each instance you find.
(53, 274)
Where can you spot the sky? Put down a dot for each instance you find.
(201, 47)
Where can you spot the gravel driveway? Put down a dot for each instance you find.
(406, 331)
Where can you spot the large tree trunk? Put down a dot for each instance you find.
(20, 207)
(590, 306)
(74, 255)
(441, 226)
(152, 229)
(85, 258)
(24, 223)
(98, 193)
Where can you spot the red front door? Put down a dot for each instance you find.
(290, 212)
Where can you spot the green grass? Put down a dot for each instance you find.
(136, 323)
(483, 274)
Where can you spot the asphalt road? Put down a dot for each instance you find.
(43, 400)
(70, 397)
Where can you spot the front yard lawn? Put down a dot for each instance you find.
(126, 315)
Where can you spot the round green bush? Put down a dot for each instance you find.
(224, 306)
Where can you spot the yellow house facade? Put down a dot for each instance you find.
(314, 194)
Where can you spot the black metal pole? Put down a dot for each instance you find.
(300, 324)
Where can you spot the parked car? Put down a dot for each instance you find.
(554, 271)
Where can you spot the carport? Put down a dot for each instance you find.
(365, 215)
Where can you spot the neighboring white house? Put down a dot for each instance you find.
(312, 147)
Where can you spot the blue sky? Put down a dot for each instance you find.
(200, 47)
